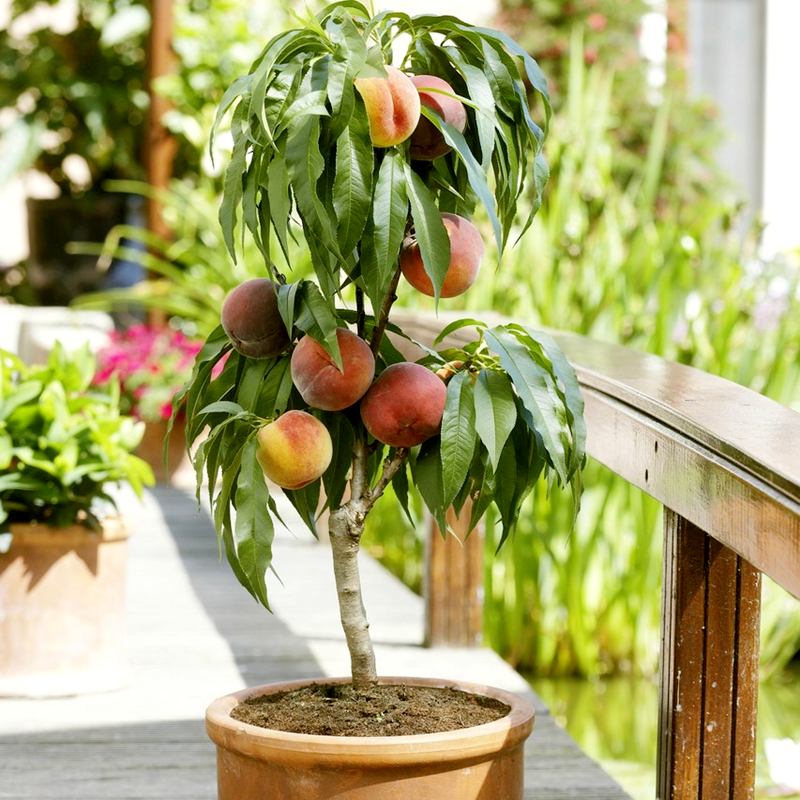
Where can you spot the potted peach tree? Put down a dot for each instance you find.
(377, 159)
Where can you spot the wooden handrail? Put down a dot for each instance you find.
(725, 463)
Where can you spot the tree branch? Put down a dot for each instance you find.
(383, 317)
(390, 469)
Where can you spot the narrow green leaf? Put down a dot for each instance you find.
(305, 165)
(316, 318)
(390, 213)
(495, 412)
(429, 231)
(352, 185)
(280, 203)
(458, 325)
(458, 435)
(253, 531)
(426, 470)
(536, 389)
(477, 180)
(233, 189)
(239, 87)
(223, 407)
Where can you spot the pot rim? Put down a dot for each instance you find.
(112, 528)
(461, 745)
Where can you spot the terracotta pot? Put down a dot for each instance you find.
(151, 449)
(62, 611)
(480, 763)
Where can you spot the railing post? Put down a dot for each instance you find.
(454, 584)
(709, 668)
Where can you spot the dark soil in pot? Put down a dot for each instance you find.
(392, 710)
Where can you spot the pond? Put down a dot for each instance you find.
(615, 721)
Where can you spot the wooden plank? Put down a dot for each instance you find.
(709, 668)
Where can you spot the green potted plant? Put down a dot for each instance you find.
(377, 160)
(73, 93)
(63, 444)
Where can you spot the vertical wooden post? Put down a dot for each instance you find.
(709, 668)
(454, 584)
(160, 145)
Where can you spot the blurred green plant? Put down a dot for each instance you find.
(191, 272)
(74, 93)
(677, 281)
(612, 36)
(63, 442)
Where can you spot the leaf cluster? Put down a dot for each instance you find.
(62, 441)
(302, 155)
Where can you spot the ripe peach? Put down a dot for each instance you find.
(427, 141)
(466, 254)
(294, 450)
(319, 380)
(250, 318)
(392, 107)
(404, 406)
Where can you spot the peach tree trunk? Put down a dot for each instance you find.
(345, 527)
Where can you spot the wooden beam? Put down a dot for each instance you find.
(160, 145)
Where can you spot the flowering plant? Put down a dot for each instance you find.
(150, 363)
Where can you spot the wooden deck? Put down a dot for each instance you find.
(195, 634)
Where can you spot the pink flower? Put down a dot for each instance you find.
(150, 364)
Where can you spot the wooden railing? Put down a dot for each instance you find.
(725, 463)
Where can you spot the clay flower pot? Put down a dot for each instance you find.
(62, 610)
(151, 449)
(480, 763)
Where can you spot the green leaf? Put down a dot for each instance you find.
(233, 189)
(239, 87)
(305, 165)
(456, 325)
(477, 179)
(495, 412)
(349, 57)
(536, 389)
(390, 213)
(352, 185)
(426, 470)
(275, 389)
(253, 531)
(279, 201)
(316, 318)
(568, 379)
(338, 472)
(429, 231)
(458, 435)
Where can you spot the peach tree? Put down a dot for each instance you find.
(374, 139)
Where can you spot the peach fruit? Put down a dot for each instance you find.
(392, 105)
(404, 406)
(294, 450)
(250, 318)
(320, 382)
(427, 141)
(466, 254)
